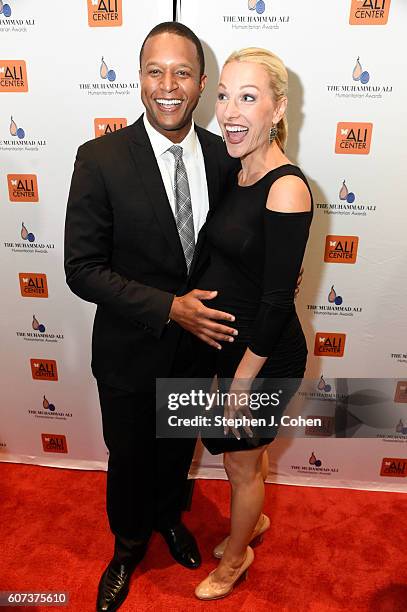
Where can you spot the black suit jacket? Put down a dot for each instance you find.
(123, 252)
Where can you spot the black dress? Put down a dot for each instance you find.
(256, 256)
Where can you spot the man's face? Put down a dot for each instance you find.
(170, 83)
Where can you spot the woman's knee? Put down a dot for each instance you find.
(241, 468)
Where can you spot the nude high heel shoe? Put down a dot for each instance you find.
(257, 536)
(210, 589)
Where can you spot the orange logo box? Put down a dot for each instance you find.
(107, 125)
(22, 187)
(105, 13)
(341, 249)
(44, 369)
(33, 284)
(401, 392)
(369, 12)
(353, 138)
(54, 443)
(329, 344)
(326, 428)
(394, 467)
(13, 76)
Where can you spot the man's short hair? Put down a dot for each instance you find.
(174, 27)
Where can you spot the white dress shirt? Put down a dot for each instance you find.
(194, 163)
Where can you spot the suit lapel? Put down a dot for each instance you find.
(149, 172)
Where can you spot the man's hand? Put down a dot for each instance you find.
(189, 312)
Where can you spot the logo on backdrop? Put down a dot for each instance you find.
(49, 411)
(18, 140)
(22, 187)
(28, 243)
(105, 13)
(394, 467)
(326, 428)
(108, 83)
(314, 465)
(44, 369)
(353, 138)
(400, 395)
(348, 204)
(107, 125)
(39, 332)
(399, 357)
(33, 285)
(359, 85)
(13, 76)
(9, 22)
(334, 306)
(54, 443)
(257, 17)
(320, 390)
(329, 344)
(369, 12)
(341, 249)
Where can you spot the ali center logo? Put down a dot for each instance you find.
(347, 204)
(394, 467)
(13, 76)
(18, 140)
(329, 344)
(28, 243)
(11, 18)
(39, 332)
(255, 15)
(369, 12)
(107, 125)
(108, 83)
(105, 13)
(358, 85)
(33, 285)
(54, 443)
(341, 249)
(22, 187)
(334, 306)
(353, 138)
(44, 369)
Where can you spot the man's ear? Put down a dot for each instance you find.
(202, 82)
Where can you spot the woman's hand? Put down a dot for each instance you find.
(237, 407)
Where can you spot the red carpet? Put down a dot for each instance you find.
(328, 549)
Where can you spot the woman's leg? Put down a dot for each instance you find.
(244, 470)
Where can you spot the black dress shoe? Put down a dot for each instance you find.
(182, 545)
(114, 586)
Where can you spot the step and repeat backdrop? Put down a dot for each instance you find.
(69, 73)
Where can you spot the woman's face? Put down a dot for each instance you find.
(245, 108)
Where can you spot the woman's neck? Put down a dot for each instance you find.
(260, 161)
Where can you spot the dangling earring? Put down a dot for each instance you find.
(273, 133)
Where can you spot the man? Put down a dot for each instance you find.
(138, 200)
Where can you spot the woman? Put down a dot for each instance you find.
(257, 237)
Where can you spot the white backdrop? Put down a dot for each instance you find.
(363, 223)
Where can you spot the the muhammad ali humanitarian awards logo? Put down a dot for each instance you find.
(109, 82)
(29, 243)
(369, 12)
(315, 465)
(257, 16)
(49, 411)
(12, 19)
(22, 187)
(353, 138)
(18, 140)
(334, 306)
(54, 443)
(348, 203)
(44, 369)
(107, 125)
(359, 84)
(399, 357)
(13, 76)
(39, 332)
(329, 344)
(105, 13)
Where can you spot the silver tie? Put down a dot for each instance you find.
(183, 206)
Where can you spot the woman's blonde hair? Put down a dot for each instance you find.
(278, 80)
